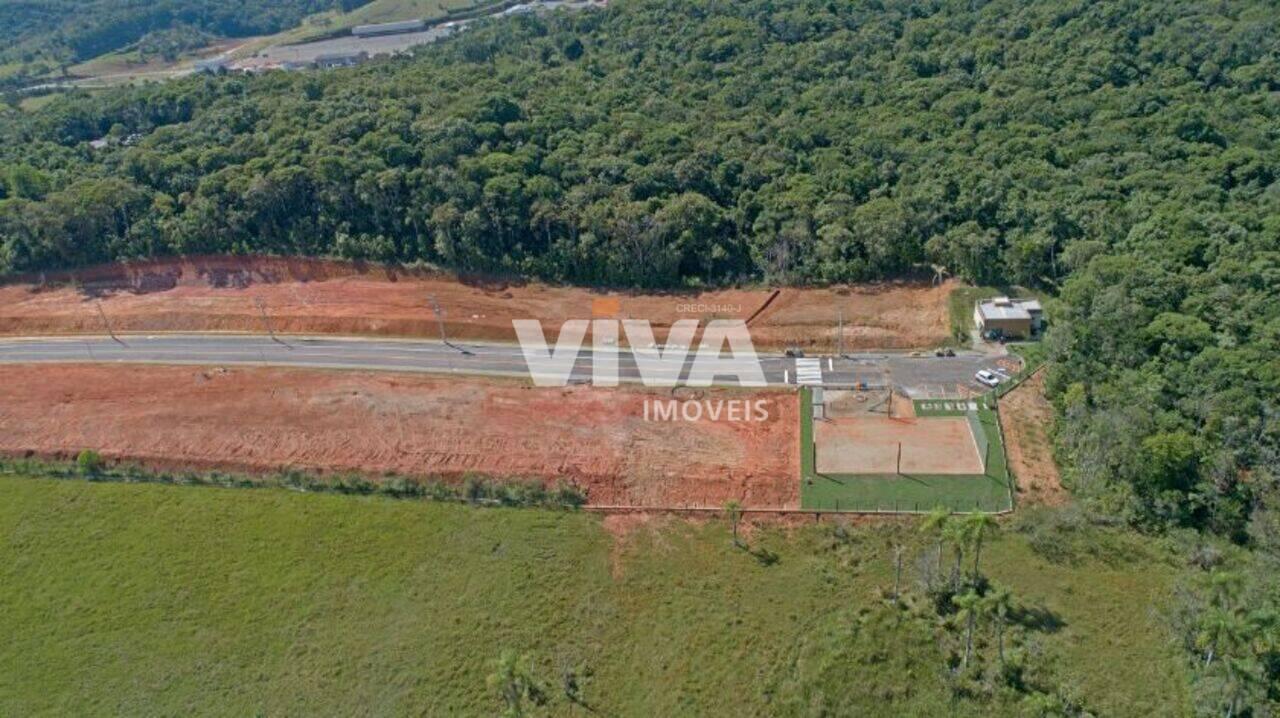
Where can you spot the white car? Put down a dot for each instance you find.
(987, 377)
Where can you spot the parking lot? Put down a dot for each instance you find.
(924, 377)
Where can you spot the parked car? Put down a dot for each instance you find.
(795, 352)
(987, 377)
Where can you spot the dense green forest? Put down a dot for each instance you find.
(1122, 156)
(43, 36)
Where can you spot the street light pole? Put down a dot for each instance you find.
(106, 323)
(439, 312)
(266, 322)
(840, 335)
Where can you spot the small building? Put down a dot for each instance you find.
(1036, 311)
(389, 28)
(1012, 318)
(340, 59)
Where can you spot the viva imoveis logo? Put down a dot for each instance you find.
(656, 366)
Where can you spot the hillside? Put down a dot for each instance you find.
(149, 599)
(43, 37)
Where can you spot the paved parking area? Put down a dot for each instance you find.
(918, 377)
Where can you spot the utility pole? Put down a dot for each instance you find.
(262, 310)
(107, 323)
(840, 334)
(439, 312)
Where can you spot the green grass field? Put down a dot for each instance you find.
(31, 104)
(915, 493)
(121, 599)
(960, 309)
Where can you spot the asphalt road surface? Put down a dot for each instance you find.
(917, 376)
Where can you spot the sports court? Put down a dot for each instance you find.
(883, 445)
(876, 451)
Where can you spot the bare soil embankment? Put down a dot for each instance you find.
(307, 296)
(1025, 416)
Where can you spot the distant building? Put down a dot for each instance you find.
(340, 59)
(1013, 318)
(389, 28)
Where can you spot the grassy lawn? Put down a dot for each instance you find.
(35, 102)
(960, 308)
(875, 492)
(889, 492)
(143, 599)
(1110, 616)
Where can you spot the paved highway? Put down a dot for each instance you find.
(918, 376)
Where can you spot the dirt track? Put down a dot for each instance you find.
(320, 297)
(268, 419)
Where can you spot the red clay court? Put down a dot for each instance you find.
(870, 445)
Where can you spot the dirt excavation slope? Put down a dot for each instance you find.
(1025, 416)
(321, 297)
(268, 419)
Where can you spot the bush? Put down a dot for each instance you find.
(476, 490)
(89, 463)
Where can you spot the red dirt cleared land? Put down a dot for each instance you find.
(268, 419)
(1026, 415)
(308, 296)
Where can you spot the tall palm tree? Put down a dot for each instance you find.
(514, 682)
(897, 571)
(999, 602)
(968, 605)
(958, 534)
(1224, 588)
(977, 527)
(935, 524)
(1241, 675)
(1219, 629)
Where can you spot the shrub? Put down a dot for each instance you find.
(89, 463)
